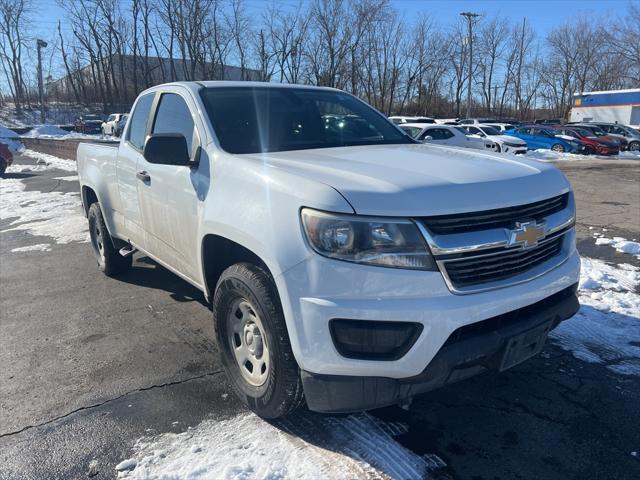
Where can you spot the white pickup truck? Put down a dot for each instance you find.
(347, 265)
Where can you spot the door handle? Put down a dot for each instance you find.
(144, 176)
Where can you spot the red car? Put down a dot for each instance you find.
(593, 144)
(6, 158)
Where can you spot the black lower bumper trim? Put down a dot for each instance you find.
(497, 343)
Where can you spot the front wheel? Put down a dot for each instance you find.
(109, 260)
(558, 148)
(254, 343)
(634, 146)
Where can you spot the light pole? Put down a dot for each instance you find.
(41, 44)
(470, 17)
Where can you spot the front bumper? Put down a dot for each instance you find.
(496, 343)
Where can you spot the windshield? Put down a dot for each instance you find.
(413, 131)
(272, 119)
(490, 131)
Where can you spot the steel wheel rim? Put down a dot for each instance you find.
(247, 340)
(97, 241)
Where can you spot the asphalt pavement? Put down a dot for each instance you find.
(88, 364)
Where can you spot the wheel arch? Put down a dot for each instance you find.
(218, 253)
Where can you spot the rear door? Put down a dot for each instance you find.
(169, 197)
(129, 154)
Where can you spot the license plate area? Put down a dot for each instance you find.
(524, 346)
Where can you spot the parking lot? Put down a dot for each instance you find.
(91, 364)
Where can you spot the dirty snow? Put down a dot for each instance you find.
(621, 245)
(39, 247)
(545, 155)
(69, 178)
(52, 214)
(46, 161)
(247, 447)
(606, 330)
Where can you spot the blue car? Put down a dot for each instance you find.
(540, 137)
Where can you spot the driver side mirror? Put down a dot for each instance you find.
(167, 149)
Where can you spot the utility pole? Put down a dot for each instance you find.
(41, 44)
(470, 18)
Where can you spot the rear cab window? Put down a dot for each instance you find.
(138, 123)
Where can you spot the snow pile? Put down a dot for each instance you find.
(606, 330)
(635, 155)
(53, 214)
(8, 138)
(621, 245)
(247, 447)
(47, 131)
(545, 155)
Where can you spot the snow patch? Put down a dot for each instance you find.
(51, 214)
(247, 447)
(70, 178)
(39, 247)
(607, 327)
(621, 245)
(46, 161)
(9, 138)
(46, 131)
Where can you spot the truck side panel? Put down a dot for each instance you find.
(97, 171)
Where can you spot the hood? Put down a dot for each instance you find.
(420, 180)
(509, 139)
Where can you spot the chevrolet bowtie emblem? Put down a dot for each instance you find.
(526, 234)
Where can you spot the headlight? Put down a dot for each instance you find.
(384, 242)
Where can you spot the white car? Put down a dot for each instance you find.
(347, 266)
(110, 125)
(398, 120)
(501, 127)
(505, 143)
(453, 136)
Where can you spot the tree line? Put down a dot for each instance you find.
(366, 47)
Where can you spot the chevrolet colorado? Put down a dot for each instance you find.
(347, 265)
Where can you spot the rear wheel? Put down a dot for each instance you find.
(3, 166)
(254, 343)
(109, 260)
(558, 148)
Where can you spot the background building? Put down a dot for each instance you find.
(621, 106)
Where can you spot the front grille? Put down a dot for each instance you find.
(498, 218)
(477, 269)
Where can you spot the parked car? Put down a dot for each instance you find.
(403, 119)
(476, 121)
(6, 158)
(110, 125)
(447, 121)
(345, 270)
(501, 126)
(600, 133)
(543, 137)
(120, 125)
(504, 143)
(453, 136)
(90, 124)
(628, 133)
(591, 143)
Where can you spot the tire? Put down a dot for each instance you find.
(3, 166)
(110, 262)
(634, 147)
(247, 314)
(589, 150)
(558, 148)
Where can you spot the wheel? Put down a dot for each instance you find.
(3, 166)
(634, 146)
(558, 148)
(109, 260)
(589, 150)
(254, 343)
